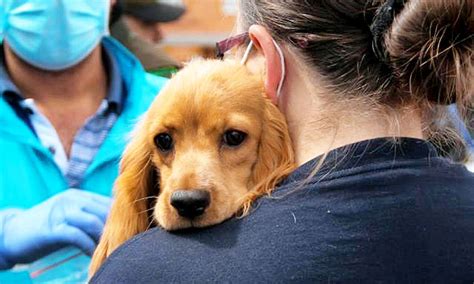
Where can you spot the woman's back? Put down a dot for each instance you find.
(377, 211)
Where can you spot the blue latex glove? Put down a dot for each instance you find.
(73, 217)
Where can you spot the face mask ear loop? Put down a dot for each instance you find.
(282, 62)
(283, 68)
(247, 53)
(108, 11)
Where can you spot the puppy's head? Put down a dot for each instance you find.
(217, 142)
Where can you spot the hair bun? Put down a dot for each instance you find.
(430, 45)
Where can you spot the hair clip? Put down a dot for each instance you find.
(383, 19)
(300, 40)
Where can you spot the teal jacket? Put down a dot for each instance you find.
(28, 173)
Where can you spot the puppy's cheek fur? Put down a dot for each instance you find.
(226, 200)
(225, 203)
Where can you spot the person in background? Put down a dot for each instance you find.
(465, 128)
(452, 134)
(69, 96)
(470, 137)
(371, 200)
(137, 25)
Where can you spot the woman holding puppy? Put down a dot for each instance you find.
(360, 82)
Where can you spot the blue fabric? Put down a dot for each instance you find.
(386, 213)
(86, 143)
(28, 172)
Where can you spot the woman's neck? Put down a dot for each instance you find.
(317, 126)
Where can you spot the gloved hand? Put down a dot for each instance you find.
(73, 217)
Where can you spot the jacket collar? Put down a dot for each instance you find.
(116, 94)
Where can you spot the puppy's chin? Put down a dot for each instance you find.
(170, 220)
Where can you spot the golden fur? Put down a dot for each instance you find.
(201, 103)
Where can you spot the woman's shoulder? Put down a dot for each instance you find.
(378, 217)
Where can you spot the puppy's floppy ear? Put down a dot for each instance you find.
(129, 214)
(275, 158)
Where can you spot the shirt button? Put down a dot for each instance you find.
(52, 150)
(29, 111)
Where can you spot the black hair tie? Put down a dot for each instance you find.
(383, 19)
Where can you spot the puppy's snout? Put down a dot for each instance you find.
(190, 203)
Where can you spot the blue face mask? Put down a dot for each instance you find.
(54, 34)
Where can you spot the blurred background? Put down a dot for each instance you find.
(203, 24)
(165, 33)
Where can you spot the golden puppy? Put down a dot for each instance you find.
(210, 144)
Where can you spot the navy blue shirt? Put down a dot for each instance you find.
(378, 211)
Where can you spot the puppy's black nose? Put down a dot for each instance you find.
(190, 203)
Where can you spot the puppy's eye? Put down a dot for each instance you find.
(164, 142)
(234, 138)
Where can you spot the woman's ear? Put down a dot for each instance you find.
(264, 44)
(134, 189)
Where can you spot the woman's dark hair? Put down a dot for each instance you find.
(398, 52)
